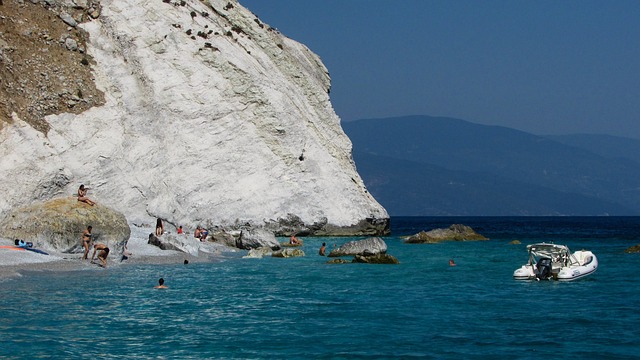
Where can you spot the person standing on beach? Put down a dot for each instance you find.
(159, 227)
(86, 241)
(82, 195)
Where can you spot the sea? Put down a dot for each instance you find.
(304, 308)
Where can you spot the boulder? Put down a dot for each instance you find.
(253, 238)
(376, 259)
(455, 232)
(515, 242)
(369, 246)
(224, 237)
(58, 225)
(287, 253)
(258, 253)
(338, 261)
(633, 249)
(185, 244)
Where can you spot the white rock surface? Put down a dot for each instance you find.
(235, 128)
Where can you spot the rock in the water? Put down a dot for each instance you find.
(287, 253)
(258, 253)
(376, 259)
(254, 238)
(633, 249)
(369, 246)
(185, 244)
(338, 261)
(455, 232)
(58, 224)
(515, 242)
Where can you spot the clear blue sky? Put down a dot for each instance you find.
(547, 67)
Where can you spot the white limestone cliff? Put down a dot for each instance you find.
(233, 128)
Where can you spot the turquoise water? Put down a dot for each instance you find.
(276, 308)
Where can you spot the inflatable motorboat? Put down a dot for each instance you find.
(556, 262)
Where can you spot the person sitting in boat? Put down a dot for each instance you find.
(102, 255)
(82, 195)
(293, 240)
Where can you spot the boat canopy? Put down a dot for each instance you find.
(559, 254)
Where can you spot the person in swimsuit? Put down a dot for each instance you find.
(82, 195)
(293, 240)
(159, 227)
(102, 255)
(86, 241)
(161, 284)
(322, 249)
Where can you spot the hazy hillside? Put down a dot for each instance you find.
(604, 145)
(451, 166)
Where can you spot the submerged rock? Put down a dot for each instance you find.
(376, 259)
(58, 224)
(633, 249)
(258, 253)
(338, 261)
(369, 246)
(287, 253)
(455, 232)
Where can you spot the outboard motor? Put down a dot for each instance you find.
(544, 269)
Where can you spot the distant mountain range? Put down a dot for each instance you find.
(421, 165)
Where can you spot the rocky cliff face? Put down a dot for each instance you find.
(193, 112)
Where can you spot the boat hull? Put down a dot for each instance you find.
(590, 265)
(583, 263)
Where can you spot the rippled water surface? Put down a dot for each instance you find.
(275, 308)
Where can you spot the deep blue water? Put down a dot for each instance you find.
(275, 308)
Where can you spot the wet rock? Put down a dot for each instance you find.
(287, 253)
(376, 259)
(258, 253)
(634, 249)
(369, 246)
(338, 261)
(455, 232)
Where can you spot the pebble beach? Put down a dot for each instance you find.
(18, 262)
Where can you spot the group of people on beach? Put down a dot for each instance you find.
(200, 233)
(87, 238)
